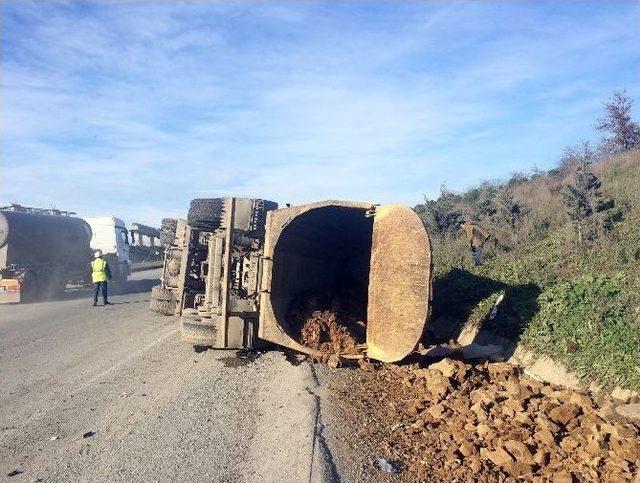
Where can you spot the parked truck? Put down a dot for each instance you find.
(110, 235)
(239, 266)
(41, 251)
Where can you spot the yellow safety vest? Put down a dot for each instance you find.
(99, 270)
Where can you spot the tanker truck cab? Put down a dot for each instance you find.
(110, 235)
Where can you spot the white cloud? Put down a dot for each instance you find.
(134, 108)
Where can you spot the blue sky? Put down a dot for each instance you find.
(134, 108)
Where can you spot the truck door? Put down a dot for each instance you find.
(399, 294)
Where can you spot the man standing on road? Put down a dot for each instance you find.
(101, 275)
(476, 237)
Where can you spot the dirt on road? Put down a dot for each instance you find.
(487, 422)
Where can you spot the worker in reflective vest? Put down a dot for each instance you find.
(101, 275)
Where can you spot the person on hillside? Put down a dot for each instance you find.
(477, 237)
(101, 276)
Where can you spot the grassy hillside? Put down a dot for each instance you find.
(575, 300)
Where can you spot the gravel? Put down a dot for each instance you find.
(478, 422)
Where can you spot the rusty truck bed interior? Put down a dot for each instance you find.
(323, 252)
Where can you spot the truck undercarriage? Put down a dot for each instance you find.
(245, 276)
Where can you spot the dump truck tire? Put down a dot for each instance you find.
(173, 266)
(172, 281)
(167, 237)
(160, 293)
(198, 332)
(206, 213)
(55, 285)
(118, 275)
(168, 231)
(30, 291)
(164, 307)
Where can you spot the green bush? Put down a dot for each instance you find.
(577, 302)
(590, 323)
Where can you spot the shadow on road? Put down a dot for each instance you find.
(140, 286)
(135, 286)
(144, 301)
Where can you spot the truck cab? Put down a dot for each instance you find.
(110, 235)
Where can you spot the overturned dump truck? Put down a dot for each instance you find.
(40, 252)
(164, 296)
(299, 275)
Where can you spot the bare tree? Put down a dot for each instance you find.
(574, 156)
(623, 133)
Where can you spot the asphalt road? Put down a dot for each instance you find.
(112, 394)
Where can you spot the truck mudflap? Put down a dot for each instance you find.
(379, 257)
(9, 290)
(399, 283)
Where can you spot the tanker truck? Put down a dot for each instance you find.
(110, 235)
(245, 271)
(40, 252)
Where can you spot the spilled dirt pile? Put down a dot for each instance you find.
(321, 331)
(453, 420)
(330, 322)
